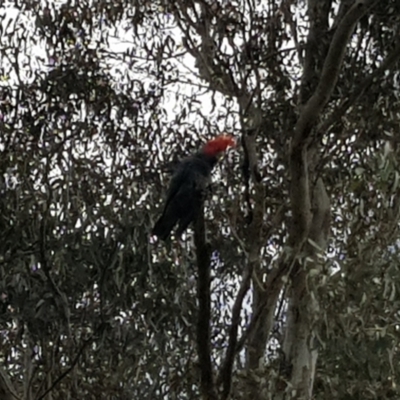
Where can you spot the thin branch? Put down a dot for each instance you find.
(68, 370)
(358, 92)
(275, 282)
(316, 45)
(120, 55)
(204, 53)
(235, 234)
(225, 377)
(253, 261)
(207, 386)
(6, 387)
(291, 21)
(250, 120)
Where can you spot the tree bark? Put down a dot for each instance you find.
(7, 390)
(310, 218)
(207, 386)
(299, 348)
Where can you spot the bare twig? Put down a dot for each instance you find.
(68, 370)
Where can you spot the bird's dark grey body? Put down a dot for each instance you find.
(185, 195)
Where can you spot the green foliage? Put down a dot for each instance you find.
(98, 100)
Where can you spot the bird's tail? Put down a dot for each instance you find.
(164, 226)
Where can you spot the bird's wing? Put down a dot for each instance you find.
(181, 176)
(192, 172)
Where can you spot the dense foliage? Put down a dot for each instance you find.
(98, 101)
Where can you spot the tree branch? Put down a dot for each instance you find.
(68, 370)
(253, 260)
(291, 22)
(316, 46)
(300, 193)
(225, 376)
(272, 288)
(204, 53)
(330, 73)
(207, 386)
(357, 93)
(7, 390)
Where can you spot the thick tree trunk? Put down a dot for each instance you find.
(300, 347)
(310, 208)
